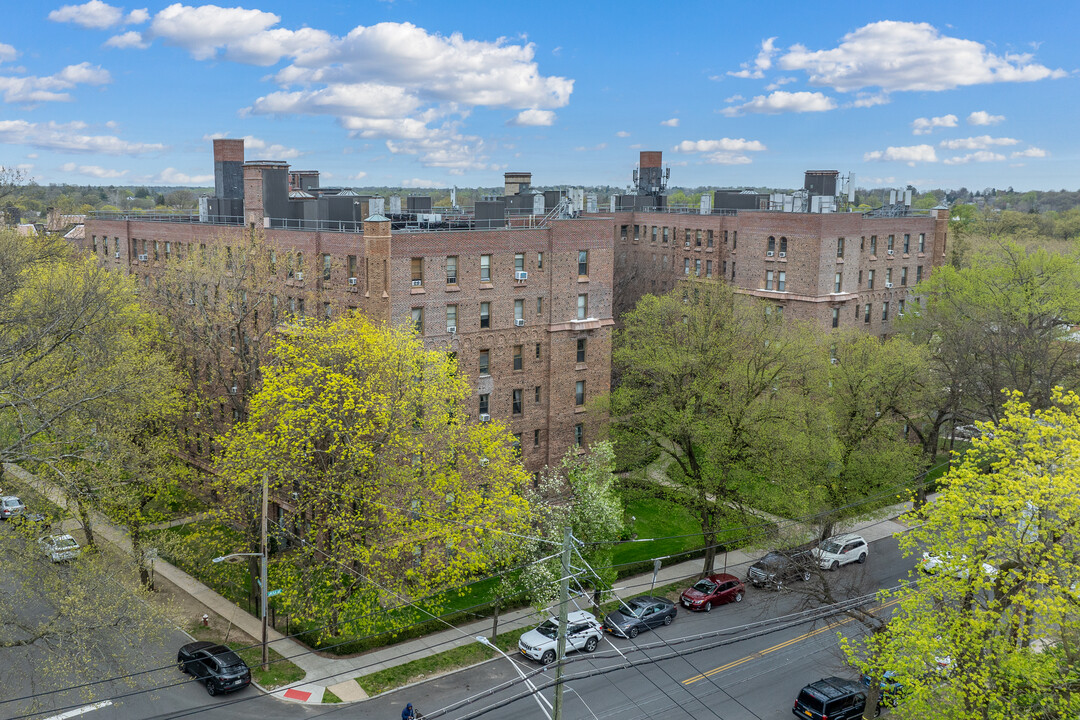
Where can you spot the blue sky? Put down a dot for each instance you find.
(417, 93)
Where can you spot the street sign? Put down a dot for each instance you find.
(273, 593)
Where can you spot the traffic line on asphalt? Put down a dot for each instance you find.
(81, 711)
(779, 646)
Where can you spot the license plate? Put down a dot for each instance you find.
(808, 713)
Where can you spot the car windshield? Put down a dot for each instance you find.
(705, 586)
(548, 629)
(65, 543)
(632, 611)
(830, 547)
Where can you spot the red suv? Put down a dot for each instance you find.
(713, 590)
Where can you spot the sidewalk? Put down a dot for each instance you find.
(338, 674)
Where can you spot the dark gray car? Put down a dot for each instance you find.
(216, 666)
(641, 613)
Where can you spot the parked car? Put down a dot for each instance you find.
(933, 563)
(840, 550)
(891, 690)
(832, 698)
(218, 667)
(10, 506)
(32, 520)
(583, 632)
(60, 548)
(713, 590)
(780, 567)
(640, 613)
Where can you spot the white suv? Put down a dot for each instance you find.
(60, 548)
(840, 550)
(583, 632)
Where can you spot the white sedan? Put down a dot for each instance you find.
(932, 563)
(60, 547)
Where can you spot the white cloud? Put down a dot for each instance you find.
(92, 170)
(358, 176)
(981, 117)
(763, 61)
(871, 99)
(729, 144)
(269, 151)
(7, 53)
(533, 117)
(172, 176)
(1031, 152)
(94, 14)
(33, 89)
(780, 82)
(894, 56)
(977, 143)
(925, 126)
(598, 146)
(137, 17)
(734, 98)
(130, 39)
(670, 122)
(909, 154)
(980, 156)
(782, 101)
(64, 137)
(419, 183)
(727, 158)
(622, 134)
(203, 30)
(25, 167)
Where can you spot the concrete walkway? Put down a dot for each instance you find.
(337, 674)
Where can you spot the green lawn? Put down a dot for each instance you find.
(655, 517)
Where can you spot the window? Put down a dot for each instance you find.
(873, 244)
(326, 266)
(885, 311)
(664, 263)
(839, 247)
(519, 261)
(734, 239)
(156, 252)
(892, 240)
(485, 268)
(579, 434)
(836, 317)
(838, 280)
(918, 274)
(451, 318)
(300, 306)
(770, 246)
(518, 362)
(350, 261)
(708, 268)
(866, 313)
(326, 310)
(537, 351)
(732, 269)
(579, 393)
(900, 307)
(697, 238)
(300, 262)
(686, 266)
(637, 233)
(780, 282)
(903, 276)
(418, 319)
(582, 263)
(582, 306)
(708, 238)
(783, 246)
(485, 362)
(665, 235)
(922, 242)
(888, 277)
(870, 279)
(907, 243)
(768, 279)
(485, 315)
(93, 239)
(516, 401)
(417, 269)
(536, 394)
(539, 306)
(536, 438)
(451, 270)
(622, 231)
(484, 405)
(273, 308)
(539, 261)
(581, 349)
(654, 233)
(697, 267)
(168, 249)
(519, 312)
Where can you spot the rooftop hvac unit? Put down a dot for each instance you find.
(519, 322)
(142, 258)
(452, 329)
(484, 417)
(352, 281)
(769, 253)
(521, 275)
(299, 277)
(888, 285)
(783, 254)
(417, 283)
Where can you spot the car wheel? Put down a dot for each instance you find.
(862, 558)
(877, 711)
(633, 633)
(591, 644)
(806, 576)
(211, 688)
(548, 657)
(668, 619)
(835, 566)
(708, 607)
(738, 597)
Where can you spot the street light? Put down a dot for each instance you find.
(540, 699)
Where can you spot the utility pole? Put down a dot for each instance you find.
(262, 572)
(564, 600)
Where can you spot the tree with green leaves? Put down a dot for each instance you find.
(992, 631)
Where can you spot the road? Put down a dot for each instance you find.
(748, 679)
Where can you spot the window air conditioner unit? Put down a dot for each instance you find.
(233, 390)
(190, 302)
(521, 275)
(198, 414)
(834, 361)
(483, 462)
(117, 256)
(519, 322)
(300, 277)
(484, 417)
(783, 254)
(452, 329)
(889, 251)
(888, 285)
(142, 258)
(417, 283)
(769, 253)
(352, 281)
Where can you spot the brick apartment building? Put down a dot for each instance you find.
(523, 299)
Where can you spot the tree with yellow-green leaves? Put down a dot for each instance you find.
(992, 632)
(389, 491)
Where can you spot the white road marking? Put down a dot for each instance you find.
(81, 711)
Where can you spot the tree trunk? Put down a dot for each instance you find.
(84, 518)
(873, 697)
(827, 528)
(710, 551)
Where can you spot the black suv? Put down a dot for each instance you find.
(780, 567)
(833, 698)
(217, 666)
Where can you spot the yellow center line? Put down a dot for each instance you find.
(762, 653)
